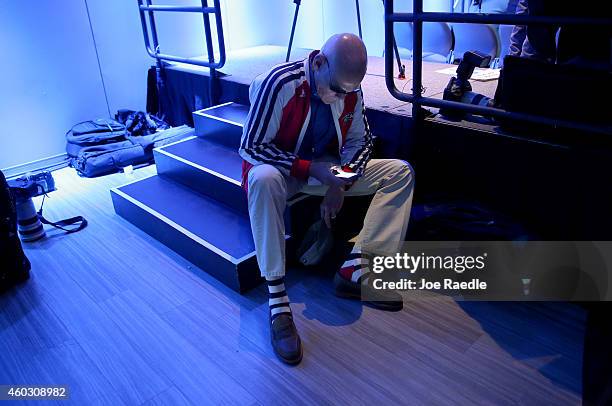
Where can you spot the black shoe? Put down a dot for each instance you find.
(285, 339)
(380, 299)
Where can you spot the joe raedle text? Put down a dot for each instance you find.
(423, 284)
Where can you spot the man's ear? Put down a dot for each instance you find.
(318, 61)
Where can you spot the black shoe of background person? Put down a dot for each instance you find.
(380, 299)
(285, 339)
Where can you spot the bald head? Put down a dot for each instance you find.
(348, 58)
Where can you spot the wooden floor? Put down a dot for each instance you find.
(123, 320)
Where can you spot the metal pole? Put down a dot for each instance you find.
(499, 113)
(295, 16)
(220, 34)
(207, 33)
(180, 9)
(509, 19)
(358, 19)
(400, 68)
(153, 33)
(417, 61)
(159, 66)
(211, 57)
(388, 38)
(145, 31)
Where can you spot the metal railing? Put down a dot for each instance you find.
(146, 7)
(295, 17)
(418, 17)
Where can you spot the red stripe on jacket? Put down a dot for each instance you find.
(346, 119)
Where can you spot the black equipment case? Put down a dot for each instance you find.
(14, 265)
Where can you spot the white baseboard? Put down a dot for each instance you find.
(52, 162)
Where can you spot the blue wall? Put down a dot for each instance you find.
(120, 46)
(49, 77)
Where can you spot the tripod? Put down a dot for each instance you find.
(401, 68)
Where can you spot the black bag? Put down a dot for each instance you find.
(139, 123)
(97, 160)
(93, 132)
(100, 160)
(161, 138)
(567, 91)
(317, 243)
(14, 265)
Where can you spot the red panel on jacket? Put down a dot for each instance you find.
(294, 116)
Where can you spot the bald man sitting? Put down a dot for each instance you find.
(306, 117)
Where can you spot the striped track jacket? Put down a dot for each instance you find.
(279, 116)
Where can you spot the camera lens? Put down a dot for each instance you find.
(28, 225)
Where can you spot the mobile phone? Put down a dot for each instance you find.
(347, 176)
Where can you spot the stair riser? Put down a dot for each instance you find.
(201, 180)
(218, 130)
(240, 277)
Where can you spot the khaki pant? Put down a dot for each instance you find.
(390, 180)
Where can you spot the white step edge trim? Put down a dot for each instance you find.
(188, 233)
(214, 107)
(175, 142)
(135, 180)
(200, 167)
(220, 119)
(178, 227)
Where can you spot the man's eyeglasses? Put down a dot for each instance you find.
(334, 88)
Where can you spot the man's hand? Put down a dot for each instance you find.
(332, 203)
(321, 172)
(334, 198)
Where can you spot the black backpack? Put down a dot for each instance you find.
(14, 265)
(93, 132)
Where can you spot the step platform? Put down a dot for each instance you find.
(195, 204)
(221, 124)
(212, 170)
(211, 235)
(209, 168)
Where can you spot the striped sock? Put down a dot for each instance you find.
(355, 266)
(278, 301)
